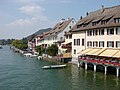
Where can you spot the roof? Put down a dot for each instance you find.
(99, 15)
(59, 27)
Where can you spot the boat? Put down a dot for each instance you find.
(54, 66)
(30, 55)
(1, 47)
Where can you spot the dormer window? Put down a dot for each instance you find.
(78, 26)
(117, 20)
(103, 22)
(94, 23)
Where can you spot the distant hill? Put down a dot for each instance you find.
(37, 33)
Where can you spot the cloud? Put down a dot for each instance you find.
(34, 16)
(28, 21)
(32, 9)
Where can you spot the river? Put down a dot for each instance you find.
(20, 73)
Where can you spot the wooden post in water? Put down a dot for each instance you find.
(94, 68)
(105, 70)
(78, 64)
(85, 65)
(117, 73)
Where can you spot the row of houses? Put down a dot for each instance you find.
(98, 29)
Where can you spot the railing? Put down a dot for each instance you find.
(100, 61)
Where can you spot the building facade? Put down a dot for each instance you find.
(99, 29)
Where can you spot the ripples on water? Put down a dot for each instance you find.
(21, 73)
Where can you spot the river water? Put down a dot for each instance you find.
(20, 73)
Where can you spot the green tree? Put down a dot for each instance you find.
(19, 44)
(40, 50)
(52, 50)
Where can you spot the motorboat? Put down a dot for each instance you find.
(1, 47)
(54, 66)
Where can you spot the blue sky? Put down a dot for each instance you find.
(20, 18)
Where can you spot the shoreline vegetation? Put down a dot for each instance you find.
(42, 54)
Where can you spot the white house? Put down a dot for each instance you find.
(99, 29)
(57, 33)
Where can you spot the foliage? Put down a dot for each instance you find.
(40, 49)
(6, 41)
(20, 44)
(52, 50)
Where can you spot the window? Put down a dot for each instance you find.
(118, 31)
(72, 21)
(74, 41)
(78, 26)
(96, 32)
(78, 42)
(101, 44)
(110, 31)
(66, 36)
(89, 44)
(103, 22)
(70, 27)
(117, 20)
(61, 38)
(110, 43)
(70, 36)
(83, 42)
(95, 44)
(101, 32)
(89, 33)
(94, 23)
(74, 51)
(117, 44)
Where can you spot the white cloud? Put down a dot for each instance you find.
(34, 13)
(28, 21)
(32, 9)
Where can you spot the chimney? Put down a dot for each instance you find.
(68, 18)
(102, 8)
(80, 17)
(87, 14)
(62, 20)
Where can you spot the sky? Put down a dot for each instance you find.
(20, 18)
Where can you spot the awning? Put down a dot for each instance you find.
(99, 51)
(85, 51)
(66, 42)
(109, 52)
(91, 52)
(117, 55)
(63, 49)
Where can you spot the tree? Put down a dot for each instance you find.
(40, 50)
(52, 50)
(19, 44)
